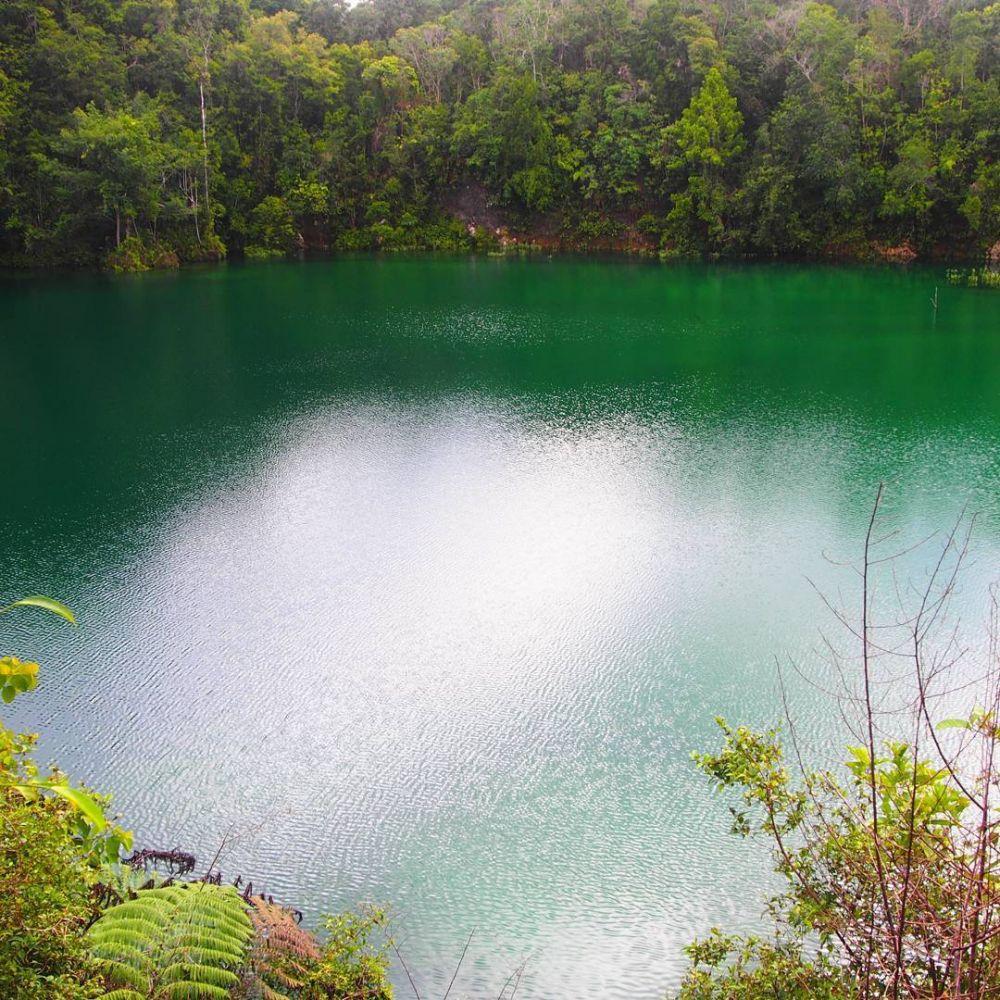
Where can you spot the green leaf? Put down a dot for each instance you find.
(953, 724)
(47, 604)
(16, 677)
(81, 800)
(84, 803)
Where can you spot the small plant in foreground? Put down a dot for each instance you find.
(354, 964)
(45, 886)
(730, 967)
(892, 864)
(187, 940)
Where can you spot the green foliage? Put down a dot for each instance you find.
(16, 677)
(976, 277)
(881, 867)
(185, 940)
(502, 133)
(145, 135)
(728, 967)
(99, 841)
(59, 855)
(354, 963)
(134, 254)
(45, 885)
(708, 134)
(705, 139)
(120, 882)
(271, 231)
(46, 604)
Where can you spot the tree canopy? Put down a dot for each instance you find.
(135, 132)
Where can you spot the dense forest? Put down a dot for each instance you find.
(138, 133)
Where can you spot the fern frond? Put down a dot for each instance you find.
(220, 924)
(122, 952)
(283, 952)
(184, 972)
(122, 974)
(201, 955)
(132, 925)
(192, 991)
(192, 937)
(178, 942)
(120, 937)
(150, 910)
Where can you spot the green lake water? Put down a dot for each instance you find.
(420, 579)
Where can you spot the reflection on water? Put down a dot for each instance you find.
(421, 580)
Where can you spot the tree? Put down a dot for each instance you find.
(272, 231)
(709, 132)
(911, 184)
(524, 32)
(704, 140)
(429, 51)
(821, 44)
(864, 123)
(118, 160)
(502, 133)
(11, 94)
(206, 25)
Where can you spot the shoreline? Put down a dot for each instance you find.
(523, 249)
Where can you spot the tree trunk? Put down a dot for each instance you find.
(204, 144)
(194, 198)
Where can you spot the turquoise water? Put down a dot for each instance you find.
(418, 580)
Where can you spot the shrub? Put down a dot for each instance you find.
(271, 228)
(976, 277)
(892, 863)
(45, 885)
(354, 964)
(730, 967)
(133, 255)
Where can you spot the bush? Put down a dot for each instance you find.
(133, 255)
(892, 863)
(355, 240)
(263, 253)
(210, 249)
(45, 886)
(977, 277)
(594, 228)
(729, 967)
(354, 964)
(271, 229)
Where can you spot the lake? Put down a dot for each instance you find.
(418, 580)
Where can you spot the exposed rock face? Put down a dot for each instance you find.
(993, 254)
(902, 254)
(471, 203)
